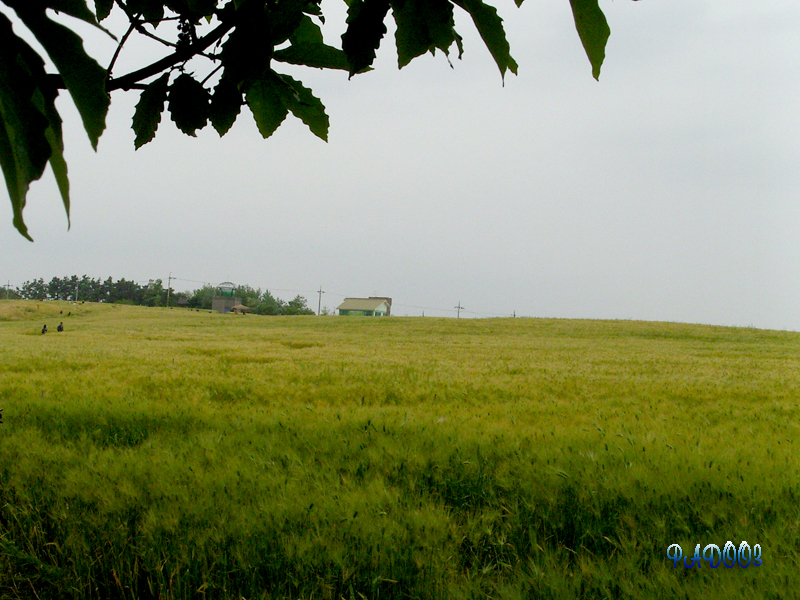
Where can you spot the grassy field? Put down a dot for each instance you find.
(155, 453)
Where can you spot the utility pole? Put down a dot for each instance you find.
(77, 288)
(169, 285)
(8, 288)
(319, 304)
(460, 308)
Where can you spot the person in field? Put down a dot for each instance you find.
(60, 327)
(44, 329)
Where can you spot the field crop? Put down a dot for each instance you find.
(157, 453)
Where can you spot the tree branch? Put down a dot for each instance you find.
(125, 82)
(119, 49)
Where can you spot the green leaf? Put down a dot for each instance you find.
(365, 30)
(309, 49)
(285, 17)
(422, 26)
(151, 10)
(247, 52)
(24, 148)
(44, 99)
(202, 7)
(319, 56)
(226, 103)
(84, 78)
(79, 10)
(73, 8)
(58, 164)
(102, 8)
(148, 111)
(308, 108)
(265, 98)
(593, 30)
(490, 27)
(188, 104)
(15, 179)
(307, 32)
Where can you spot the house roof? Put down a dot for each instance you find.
(363, 304)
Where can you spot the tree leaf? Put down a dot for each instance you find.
(422, 26)
(285, 17)
(490, 27)
(319, 56)
(365, 30)
(151, 10)
(265, 99)
(202, 7)
(24, 148)
(188, 104)
(309, 49)
(148, 111)
(73, 8)
(43, 98)
(307, 32)
(247, 52)
(79, 10)
(84, 78)
(46, 105)
(102, 8)
(593, 30)
(57, 162)
(308, 108)
(226, 103)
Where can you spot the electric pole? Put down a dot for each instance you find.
(169, 285)
(459, 308)
(319, 304)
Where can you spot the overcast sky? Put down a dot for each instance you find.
(666, 191)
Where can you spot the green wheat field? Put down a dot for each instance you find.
(165, 453)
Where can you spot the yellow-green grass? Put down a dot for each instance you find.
(155, 453)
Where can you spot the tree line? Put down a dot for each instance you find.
(153, 293)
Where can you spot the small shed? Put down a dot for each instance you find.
(365, 307)
(240, 309)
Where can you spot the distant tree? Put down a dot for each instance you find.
(201, 298)
(34, 290)
(154, 294)
(128, 292)
(297, 306)
(269, 304)
(57, 289)
(245, 42)
(248, 296)
(106, 291)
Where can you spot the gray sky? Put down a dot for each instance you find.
(665, 191)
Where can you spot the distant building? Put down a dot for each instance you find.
(240, 309)
(225, 298)
(366, 307)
